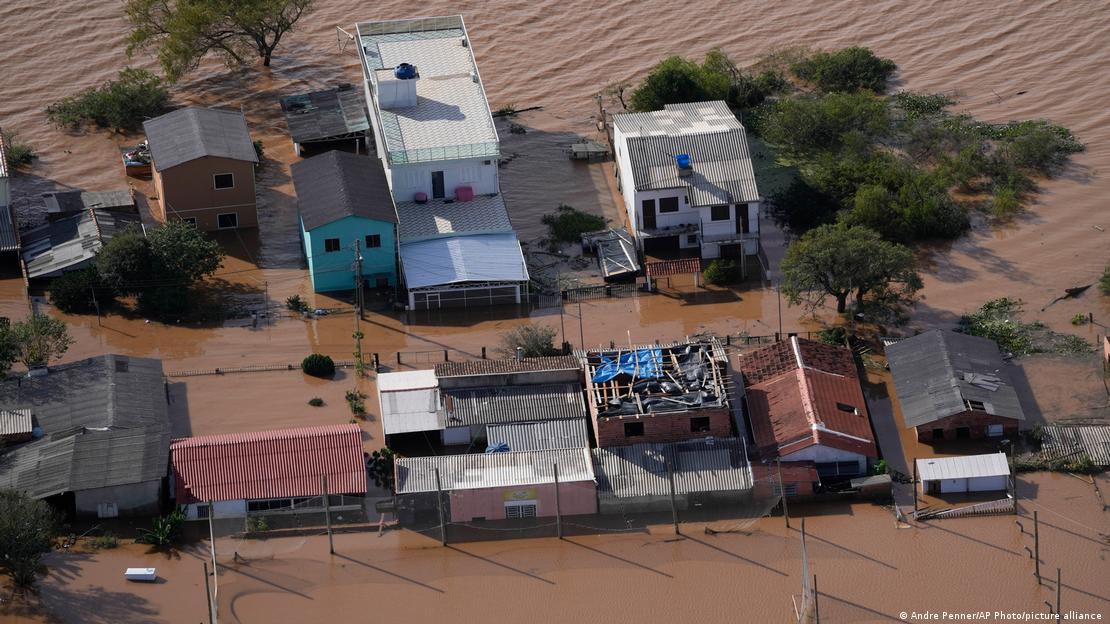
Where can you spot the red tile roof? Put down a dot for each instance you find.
(269, 464)
(802, 393)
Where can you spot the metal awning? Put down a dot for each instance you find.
(458, 259)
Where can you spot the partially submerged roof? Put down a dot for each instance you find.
(269, 464)
(721, 167)
(707, 465)
(9, 237)
(15, 422)
(963, 467)
(539, 436)
(436, 218)
(489, 470)
(802, 393)
(409, 402)
(451, 118)
(104, 421)
(73, 201)
(190, 133)
(70, 242)
(1073, 442)
(458, 259)
(326, 115)
(335, 185)
(502, 404)
(506, 366)
(939, 373)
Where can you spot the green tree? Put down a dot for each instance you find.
(843, 261)
(183, 32)
(39, 339)
(849, 69)
(123, 104)
(27, 528)
(126, 263)
(79, 292)
(805, 126)
(536, 340)
(1104, 281)
(182, 252)
(18, 153)
(675, 80)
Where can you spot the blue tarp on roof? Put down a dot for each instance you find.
(642, 363)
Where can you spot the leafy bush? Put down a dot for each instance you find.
(568, 224)
(164, 530)
(1104, 281)
(123, 104)
(296, 304)
(318, 365)
(536, 340)
(805, 125)
(1005, 201)
(74, 292)
(999, 321)
(104, 542)
(676, 80)
(917, 105)
(381, 468)
(1079, 319)
(721, 271)
(833, 336)
(1037, 145)
(316, 402)
(880, 467)
(256, 524)
(18, 153)
(849, 69)
(357, 402)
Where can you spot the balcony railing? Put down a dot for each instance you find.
(451, 152)
(729, 237)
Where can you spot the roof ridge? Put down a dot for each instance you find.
(221, 439)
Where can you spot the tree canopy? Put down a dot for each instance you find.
(847, 69)
(807, 125)
(33, 342)
(122, 104)
(839, 261)
(676, 80)
(183, 32)
(536, 340)
(27, 528)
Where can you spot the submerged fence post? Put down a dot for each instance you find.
(914, 484)
(674, 505)
(1037, 547)
(439, 503)
(816, 606)
(327, 516)
(1058, 591)
(558, 505)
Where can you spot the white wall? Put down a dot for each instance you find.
(974, 484)
(407, 180)
(222, 509)
(822, 454)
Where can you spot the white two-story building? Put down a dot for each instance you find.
(687, 181)
(439, 147)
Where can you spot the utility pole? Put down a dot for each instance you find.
(215, 570)
(208, 595)
(562, 326)
(96, 304)
(1057, 591)
(914, 484)
(327, 515)
(558, 506)
(816, 607)
(358, 279)
(1037, 547)
(778, 295)
(439, 501)
(782, 492)
(581, 331)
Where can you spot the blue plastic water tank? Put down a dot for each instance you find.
(682, 160)
(405, 71)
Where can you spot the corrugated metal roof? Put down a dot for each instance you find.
(709, 465)
(3, 156)
(435, 218)
(965, 467)
(190, 133)
(502, 404)
(507, 366)
(409, 402)
(105, 423)
(488, 470)
(1073, 442)
(540, 436)
(335, 185)
(72, 201)
(679, 119)
(69, 243)
(937, 371)
(269, 464)
(15, 422)
(457, 259)
(325, 115)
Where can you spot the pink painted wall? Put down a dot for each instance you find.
(579, 497)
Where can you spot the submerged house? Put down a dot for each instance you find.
(687, 181)
(344, 199)
(203, 167)
(268, 472)
(99, 439)
(953, 386)
(805, 404)
(969, 473)
(656, 393)
(439, 148)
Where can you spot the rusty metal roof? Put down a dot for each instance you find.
(269, 464)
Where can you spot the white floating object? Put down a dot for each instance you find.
(141, 574)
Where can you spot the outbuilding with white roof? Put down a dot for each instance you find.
(967, 473)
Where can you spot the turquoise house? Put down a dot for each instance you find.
(344, 199)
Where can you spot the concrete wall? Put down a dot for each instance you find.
(975, 421)
(131, 500)
(578, 497)
(188, 191)
(477, 173)
(662, 427)
(332, 270)
(223, 509)
(960, 486)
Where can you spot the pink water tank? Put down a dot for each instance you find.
(421, 197)
(464, 193)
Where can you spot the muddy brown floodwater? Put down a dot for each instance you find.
(1005, 60)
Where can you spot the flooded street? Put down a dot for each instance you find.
(1005, 60)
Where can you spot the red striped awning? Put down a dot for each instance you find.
(269, 464)
(663, 268)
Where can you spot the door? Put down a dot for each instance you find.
(742, 218)
(437, 185)
(432, 300)
(649, 215)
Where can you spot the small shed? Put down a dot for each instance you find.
(967, 473)
(409, 402)
(325, 116)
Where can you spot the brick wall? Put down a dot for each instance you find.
(976, 422)
(663, 427)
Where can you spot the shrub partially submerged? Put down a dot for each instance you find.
(998, 320)
(568, 224)
(318, 365)
(122, 104)
(848, 69)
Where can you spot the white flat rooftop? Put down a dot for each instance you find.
(451, 118)
(964, 467)
(409, 402)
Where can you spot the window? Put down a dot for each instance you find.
(790, 489)
(699, 424)
(190, 220)
(633, 429)
(691, 239)
(994, 431)
(844, 407)
(227, 221)
(977, 406)
(719, 213)
(373, 240)
(223, 181)
(202, 511)
(838, 469)
(668, 204)
(331, 244)
(520, 510)
(938, 434)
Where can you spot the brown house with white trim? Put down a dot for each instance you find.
(203, 168)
